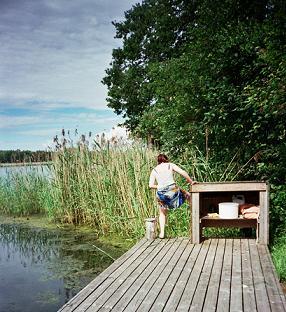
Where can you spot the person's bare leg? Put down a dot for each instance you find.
(162, 221)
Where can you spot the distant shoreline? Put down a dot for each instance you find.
(25, 164)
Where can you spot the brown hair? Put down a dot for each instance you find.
(162, 158)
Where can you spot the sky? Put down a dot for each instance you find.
(53, 56)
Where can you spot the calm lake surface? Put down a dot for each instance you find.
(39, 169)
(41, 269)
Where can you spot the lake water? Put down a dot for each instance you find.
(39, 169)
(41, 269)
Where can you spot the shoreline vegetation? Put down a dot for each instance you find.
(106, 189)
(24, 156)
(20, 164)
(102, 189)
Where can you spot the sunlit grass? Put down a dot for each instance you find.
(23, 193)
(107, 189)
(103, 188)
(278, 252)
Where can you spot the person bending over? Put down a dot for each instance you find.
(168, 194)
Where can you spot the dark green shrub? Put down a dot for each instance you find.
(277, 211)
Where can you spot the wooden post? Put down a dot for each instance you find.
(151, 228)
(264, 218)
(191, 213)
(196, 233)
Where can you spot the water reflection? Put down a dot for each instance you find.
(40, 269)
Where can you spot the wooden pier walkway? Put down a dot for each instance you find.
(175, 275)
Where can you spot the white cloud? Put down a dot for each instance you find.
(14, 121)
(57, 50)
(118, 132)
(61, 119)
(51, 132)
(53, 57)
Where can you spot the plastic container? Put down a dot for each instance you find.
(228, 210)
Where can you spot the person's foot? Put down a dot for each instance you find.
(161, 236)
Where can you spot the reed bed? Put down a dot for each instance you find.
(23, 193)
(105, 187)
(203, 169)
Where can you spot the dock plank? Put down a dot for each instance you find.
(142, 279)
(262, 301)
(136, 277)
(236, 279)
(151, 280)
(175, 275)
(146, 305)
(193, 280)
(213, 287)
(167, 289)
(124, 283)
(249, 301)
(224, 289)
(280, 290)
(274, 295)
(198, 299)
(176, 295)
(110, 285)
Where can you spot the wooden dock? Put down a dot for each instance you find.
(175, 275)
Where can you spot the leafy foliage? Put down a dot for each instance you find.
(208, 75)
(277, 211)
(153, 31)
(278, 252)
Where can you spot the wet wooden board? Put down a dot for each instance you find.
(175, 275)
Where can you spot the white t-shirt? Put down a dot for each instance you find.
(163, 174)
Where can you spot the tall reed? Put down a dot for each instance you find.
(24, 193)
(207, 170)
(106, 188)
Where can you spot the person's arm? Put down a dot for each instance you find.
(152, 180)
(183, 173)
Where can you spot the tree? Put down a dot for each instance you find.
(153, 31)
(220, 87)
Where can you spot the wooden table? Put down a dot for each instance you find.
(208, 195)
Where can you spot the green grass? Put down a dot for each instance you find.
(278, 252)
(222, 232)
